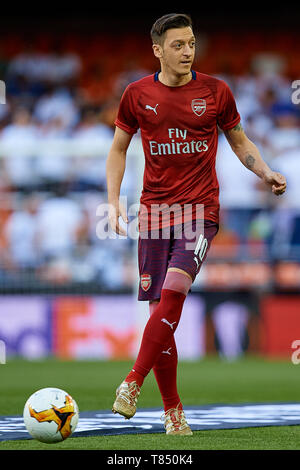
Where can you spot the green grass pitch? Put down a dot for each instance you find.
(211, 380)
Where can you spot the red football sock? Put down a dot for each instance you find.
(158, 333)
(165, 371)
(135, 376)
(165, 368)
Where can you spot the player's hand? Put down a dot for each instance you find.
(276, 181)
(115, 211)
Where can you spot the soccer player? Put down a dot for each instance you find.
(178, 112)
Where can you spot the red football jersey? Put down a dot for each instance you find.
(180, 136)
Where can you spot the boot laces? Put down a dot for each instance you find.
(129, 392)
(174, 418)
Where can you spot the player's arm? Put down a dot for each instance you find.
(250, 157)
(115, 168)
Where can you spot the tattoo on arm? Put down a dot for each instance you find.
(230, 135)
(238, 127)
(249, 161)
(237, 143)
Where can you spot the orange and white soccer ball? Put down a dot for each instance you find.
(50, 415)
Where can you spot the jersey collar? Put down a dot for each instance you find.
(194, 76)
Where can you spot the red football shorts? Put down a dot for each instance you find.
(183, 246)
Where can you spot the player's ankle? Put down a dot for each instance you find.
(134, 376)
(172, 404)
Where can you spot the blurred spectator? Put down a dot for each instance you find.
(83, 270)
(64, 68)
(89, 172)
(285, 134)
(259, 95)
(57, 67)
(22, 92)
(288, 163)
(286, 213)
(17, 141)
(52, 165)
(29, 63)
(270, 70)
(58, 219)
(256, 112)
(6, 210)
(245, 92)
(57, 103)
(4, 115)
(20, 232)
(240, 197)
(108, 265)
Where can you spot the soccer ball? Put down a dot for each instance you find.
(50, 415)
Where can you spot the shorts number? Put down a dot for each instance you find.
(201, 247)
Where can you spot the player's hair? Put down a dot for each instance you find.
(172, 20)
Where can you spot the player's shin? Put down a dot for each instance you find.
(165, 370)
(158, 332)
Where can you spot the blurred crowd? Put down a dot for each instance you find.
(251, 214)
(55, 130)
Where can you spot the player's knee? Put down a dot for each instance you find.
(177, 281)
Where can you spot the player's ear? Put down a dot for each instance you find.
(157, 50)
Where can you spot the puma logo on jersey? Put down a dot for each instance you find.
(164, 320)
(152, 109)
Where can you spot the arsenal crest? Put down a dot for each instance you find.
(146, 282)
(198, 106)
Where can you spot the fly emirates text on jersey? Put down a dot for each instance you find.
(177, 144)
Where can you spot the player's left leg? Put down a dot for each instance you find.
(165, 368)
(188, 253)
(158, 333)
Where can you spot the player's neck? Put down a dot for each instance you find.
(172, 79)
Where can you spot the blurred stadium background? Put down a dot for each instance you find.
(66, 293)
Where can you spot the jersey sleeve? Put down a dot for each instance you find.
(228, 115)
(126, 117)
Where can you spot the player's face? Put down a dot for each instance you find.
(178, 50)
